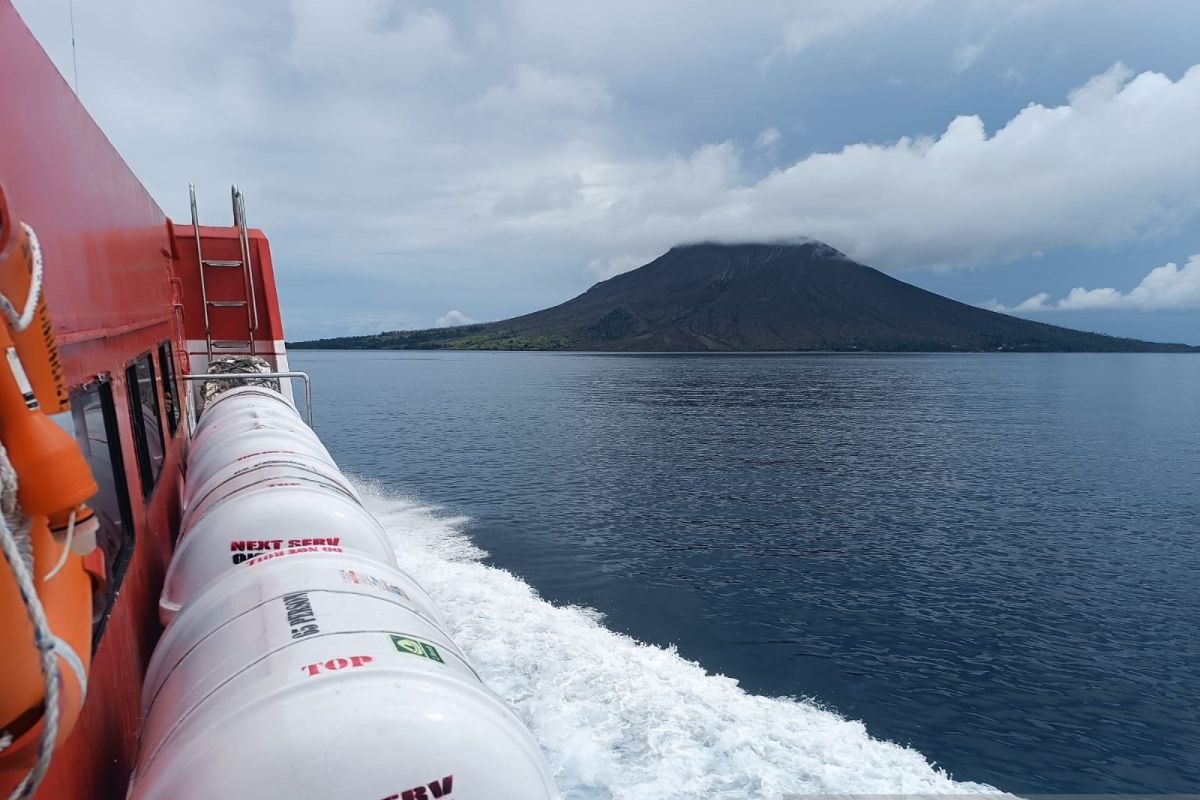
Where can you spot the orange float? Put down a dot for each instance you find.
(54, 481)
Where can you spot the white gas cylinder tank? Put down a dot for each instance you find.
(252, 443)
(246, 471)
(353, 718)
(309, 584)
(291, 514)
(299, 661)
(314, 626)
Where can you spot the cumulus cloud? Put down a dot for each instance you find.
(1113, 164)
(469, 162)
(1166, 288)
(493, 149)
(451, 319)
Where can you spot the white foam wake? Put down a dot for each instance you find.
(621, 719)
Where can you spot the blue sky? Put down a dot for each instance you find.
(410, 160)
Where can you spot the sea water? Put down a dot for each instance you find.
(754, 576)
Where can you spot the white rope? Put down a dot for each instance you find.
(20, 322)
(43, 640)
(66, 551)
(43, 637)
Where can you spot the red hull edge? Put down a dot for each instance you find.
(111, 261)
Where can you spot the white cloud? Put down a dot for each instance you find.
(495, 148)
(966, 55)
(823, 19)
(370, 40)
(604, 268)
(362, 165)
(1117, 163)
(1166, 288)
(768, 139)
(451, 319)
(329, 323)
(539, 91)
(1013, 76)
(1038, 302)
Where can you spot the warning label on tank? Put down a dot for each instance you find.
(365, 579)
(300, 616)
(407, 644)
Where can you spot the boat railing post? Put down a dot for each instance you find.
(239, 220)
(200, 264)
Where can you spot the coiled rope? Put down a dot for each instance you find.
(43, 637)
(20, 322)
(14, 541)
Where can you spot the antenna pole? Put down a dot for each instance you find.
(74, 58)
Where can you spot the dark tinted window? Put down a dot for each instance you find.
(143, 411)
(95, 420)
(166, 368)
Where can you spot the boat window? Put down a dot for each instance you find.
(166, 367)
(147, 429)
(95, 418)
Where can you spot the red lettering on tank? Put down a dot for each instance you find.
(335, 664)
(241, 545)
(437, 789)
(330, 541)
(258, 558)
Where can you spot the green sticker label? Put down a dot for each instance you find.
(407, 644)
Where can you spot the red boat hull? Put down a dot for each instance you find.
(110, 282)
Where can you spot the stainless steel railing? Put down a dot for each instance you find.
(223, 376)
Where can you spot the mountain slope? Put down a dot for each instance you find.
(760, 297)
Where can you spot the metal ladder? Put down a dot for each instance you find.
(247, 300)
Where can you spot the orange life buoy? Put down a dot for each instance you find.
(54, 481)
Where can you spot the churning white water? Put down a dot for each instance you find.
(621, 719)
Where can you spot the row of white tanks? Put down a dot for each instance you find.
(298, 660)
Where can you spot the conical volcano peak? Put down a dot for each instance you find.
(795, 295)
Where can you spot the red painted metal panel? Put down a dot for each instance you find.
(108, 285)
(225, 283)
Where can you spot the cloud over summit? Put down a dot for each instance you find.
(1114, 163)
(499, 157)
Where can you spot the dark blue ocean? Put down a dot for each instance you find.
(992, 560)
